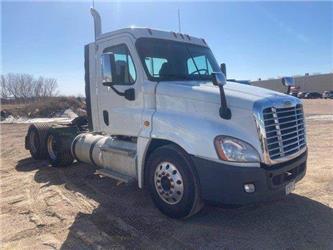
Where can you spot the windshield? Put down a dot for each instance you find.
(166, 60)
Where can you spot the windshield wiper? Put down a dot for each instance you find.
(188, 51)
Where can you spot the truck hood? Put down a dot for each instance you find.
(237, 95)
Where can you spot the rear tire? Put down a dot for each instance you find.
(172, 182)
(35, 140)
(58, 149)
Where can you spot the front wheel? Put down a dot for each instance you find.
(172, 182)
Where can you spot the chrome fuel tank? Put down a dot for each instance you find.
(107, 152)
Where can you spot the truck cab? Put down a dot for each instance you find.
(161, 113)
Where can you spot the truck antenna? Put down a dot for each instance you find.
(179, 26)
(97, 22)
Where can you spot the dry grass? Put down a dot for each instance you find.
(46, 107)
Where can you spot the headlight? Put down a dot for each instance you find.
(232, 149)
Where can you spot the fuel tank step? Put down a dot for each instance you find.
(119, 150)
(114, 175)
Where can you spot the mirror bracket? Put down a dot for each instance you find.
(224, 111)
(223, 68)
(128, 94)
(219, 80)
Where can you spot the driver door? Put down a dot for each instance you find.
(117, 75)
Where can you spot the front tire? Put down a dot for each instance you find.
(172, 182)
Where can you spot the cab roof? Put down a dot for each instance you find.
(153, 33)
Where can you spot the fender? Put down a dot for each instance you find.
(196, 134)
(188, 132)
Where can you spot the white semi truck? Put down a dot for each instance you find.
(161, 113)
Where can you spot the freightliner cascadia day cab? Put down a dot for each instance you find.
(161, 113)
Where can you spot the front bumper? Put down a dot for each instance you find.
(222, 183)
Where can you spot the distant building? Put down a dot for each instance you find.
(306, 83)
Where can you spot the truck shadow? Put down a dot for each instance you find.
(126, 217)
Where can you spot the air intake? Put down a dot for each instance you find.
(285, 131)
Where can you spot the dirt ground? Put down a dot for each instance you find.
(49, 208)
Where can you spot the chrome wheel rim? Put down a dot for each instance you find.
(51, 143)
(169, 183)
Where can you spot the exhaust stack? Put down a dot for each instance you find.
(97, 22)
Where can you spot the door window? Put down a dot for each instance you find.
(118, 66)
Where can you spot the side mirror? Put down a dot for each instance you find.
(288, 81)
(218, 79)
(224, 69)
(107, 62)
(108, 67)
(129, 94)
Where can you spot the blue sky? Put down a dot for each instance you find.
(254, 39)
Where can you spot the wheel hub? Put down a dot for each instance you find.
(168, 183)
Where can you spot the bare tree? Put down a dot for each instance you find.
(38, 87)
(13, 85)
(50, 86)
(4, 93)
(26, 87)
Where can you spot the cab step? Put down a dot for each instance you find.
(119, 150)
(114, 175)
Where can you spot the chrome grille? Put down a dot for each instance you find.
(285, 131)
